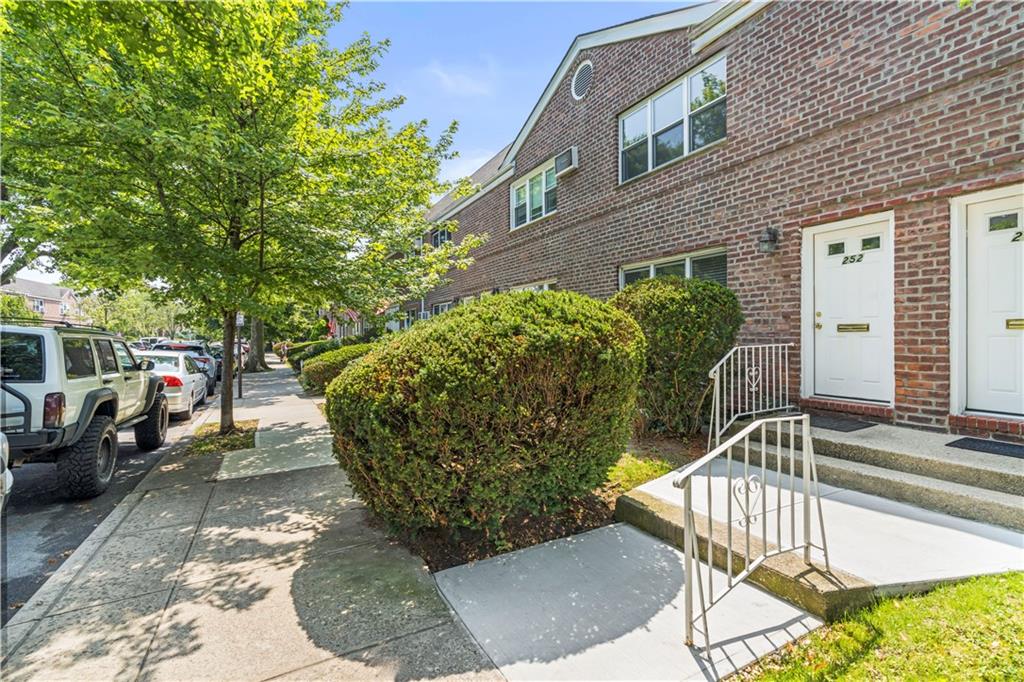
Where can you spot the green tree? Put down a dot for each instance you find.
(135, 312)
(223, 150)
(16, 307)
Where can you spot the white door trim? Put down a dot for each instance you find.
(807, 297)
(958, 289)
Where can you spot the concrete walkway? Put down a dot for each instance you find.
(882, 541)
(248, 567)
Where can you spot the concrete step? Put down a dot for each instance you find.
(949, 497)
(911, 451)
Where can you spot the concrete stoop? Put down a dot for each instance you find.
(912, 466)
(827, 595)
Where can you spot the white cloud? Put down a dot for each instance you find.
(462, 80)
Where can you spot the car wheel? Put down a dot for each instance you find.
(203, 395)
(211, 388)
(85, 468)
(151, 433)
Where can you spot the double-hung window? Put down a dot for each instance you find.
(535, 195)
(439, 308)
(438, 237)
(710, 266)
(681, 118)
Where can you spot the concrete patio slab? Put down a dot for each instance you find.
(608, 604)
(879, 540)
(107, 642)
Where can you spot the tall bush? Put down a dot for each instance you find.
(320, 370)
(513, 402)
(689, 324)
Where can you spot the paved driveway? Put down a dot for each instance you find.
(41, 528)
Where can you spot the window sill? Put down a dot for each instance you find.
(533, 222)
(692, 155)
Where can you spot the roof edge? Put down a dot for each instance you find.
(659, 23)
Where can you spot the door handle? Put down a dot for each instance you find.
(108, 381)
(1015, 323)
(817, 325)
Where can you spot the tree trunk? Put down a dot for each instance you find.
(227, 396)
(256, 361)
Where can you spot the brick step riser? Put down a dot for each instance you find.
(1004, 482)
(964, 506)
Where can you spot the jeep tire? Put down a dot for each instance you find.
(151, 433)
(85, 468)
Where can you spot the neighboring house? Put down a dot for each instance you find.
(54, 303)
(853, 171)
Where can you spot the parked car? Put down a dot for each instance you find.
(64, 394)
(151, 341)
(199, 352)
(6, 477)
(138, 345)
(184, 380)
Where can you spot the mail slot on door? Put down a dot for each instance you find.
(1015, 323)
(858, 327)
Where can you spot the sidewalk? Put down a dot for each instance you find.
(252, 566)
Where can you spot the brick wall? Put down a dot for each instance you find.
(835, 109)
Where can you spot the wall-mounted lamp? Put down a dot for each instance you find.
(768, 242)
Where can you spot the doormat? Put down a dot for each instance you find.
(994, 447)
(844, 424)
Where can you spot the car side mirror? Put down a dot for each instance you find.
(146, 365)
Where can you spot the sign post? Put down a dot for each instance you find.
(239, 321)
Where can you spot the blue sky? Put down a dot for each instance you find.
(483, 64)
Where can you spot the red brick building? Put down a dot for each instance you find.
(854, 171)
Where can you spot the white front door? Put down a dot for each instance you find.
(995, 305)
(852, 310)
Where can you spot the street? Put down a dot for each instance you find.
(41, 528)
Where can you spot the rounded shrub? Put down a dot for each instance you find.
(306, 351)
(689, 325)
(516, 402)
(321, 369)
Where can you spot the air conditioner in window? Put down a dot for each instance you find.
(419, 243)
(567, 162)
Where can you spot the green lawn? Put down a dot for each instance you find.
(972, 630)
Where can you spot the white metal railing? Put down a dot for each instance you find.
(748, 381)
(743, 491)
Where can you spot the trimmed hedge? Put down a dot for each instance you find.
(311, 350)
(516, 402)
(689, 325)
(321, 370)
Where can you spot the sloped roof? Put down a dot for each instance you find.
(34, 289)
(480, 177)
(673, 20)
(503, 161)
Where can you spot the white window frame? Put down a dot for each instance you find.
(438, 308)
(38, 305)
(667, 260)
(439, 237)
(648, 102)
(543, 285)
(524, 182)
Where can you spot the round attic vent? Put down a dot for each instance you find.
(581, 80)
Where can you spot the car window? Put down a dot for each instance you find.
(191, 366)
(108, 361)
(79, 361)
(124, 356)
(164, 363)
(21, 357)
